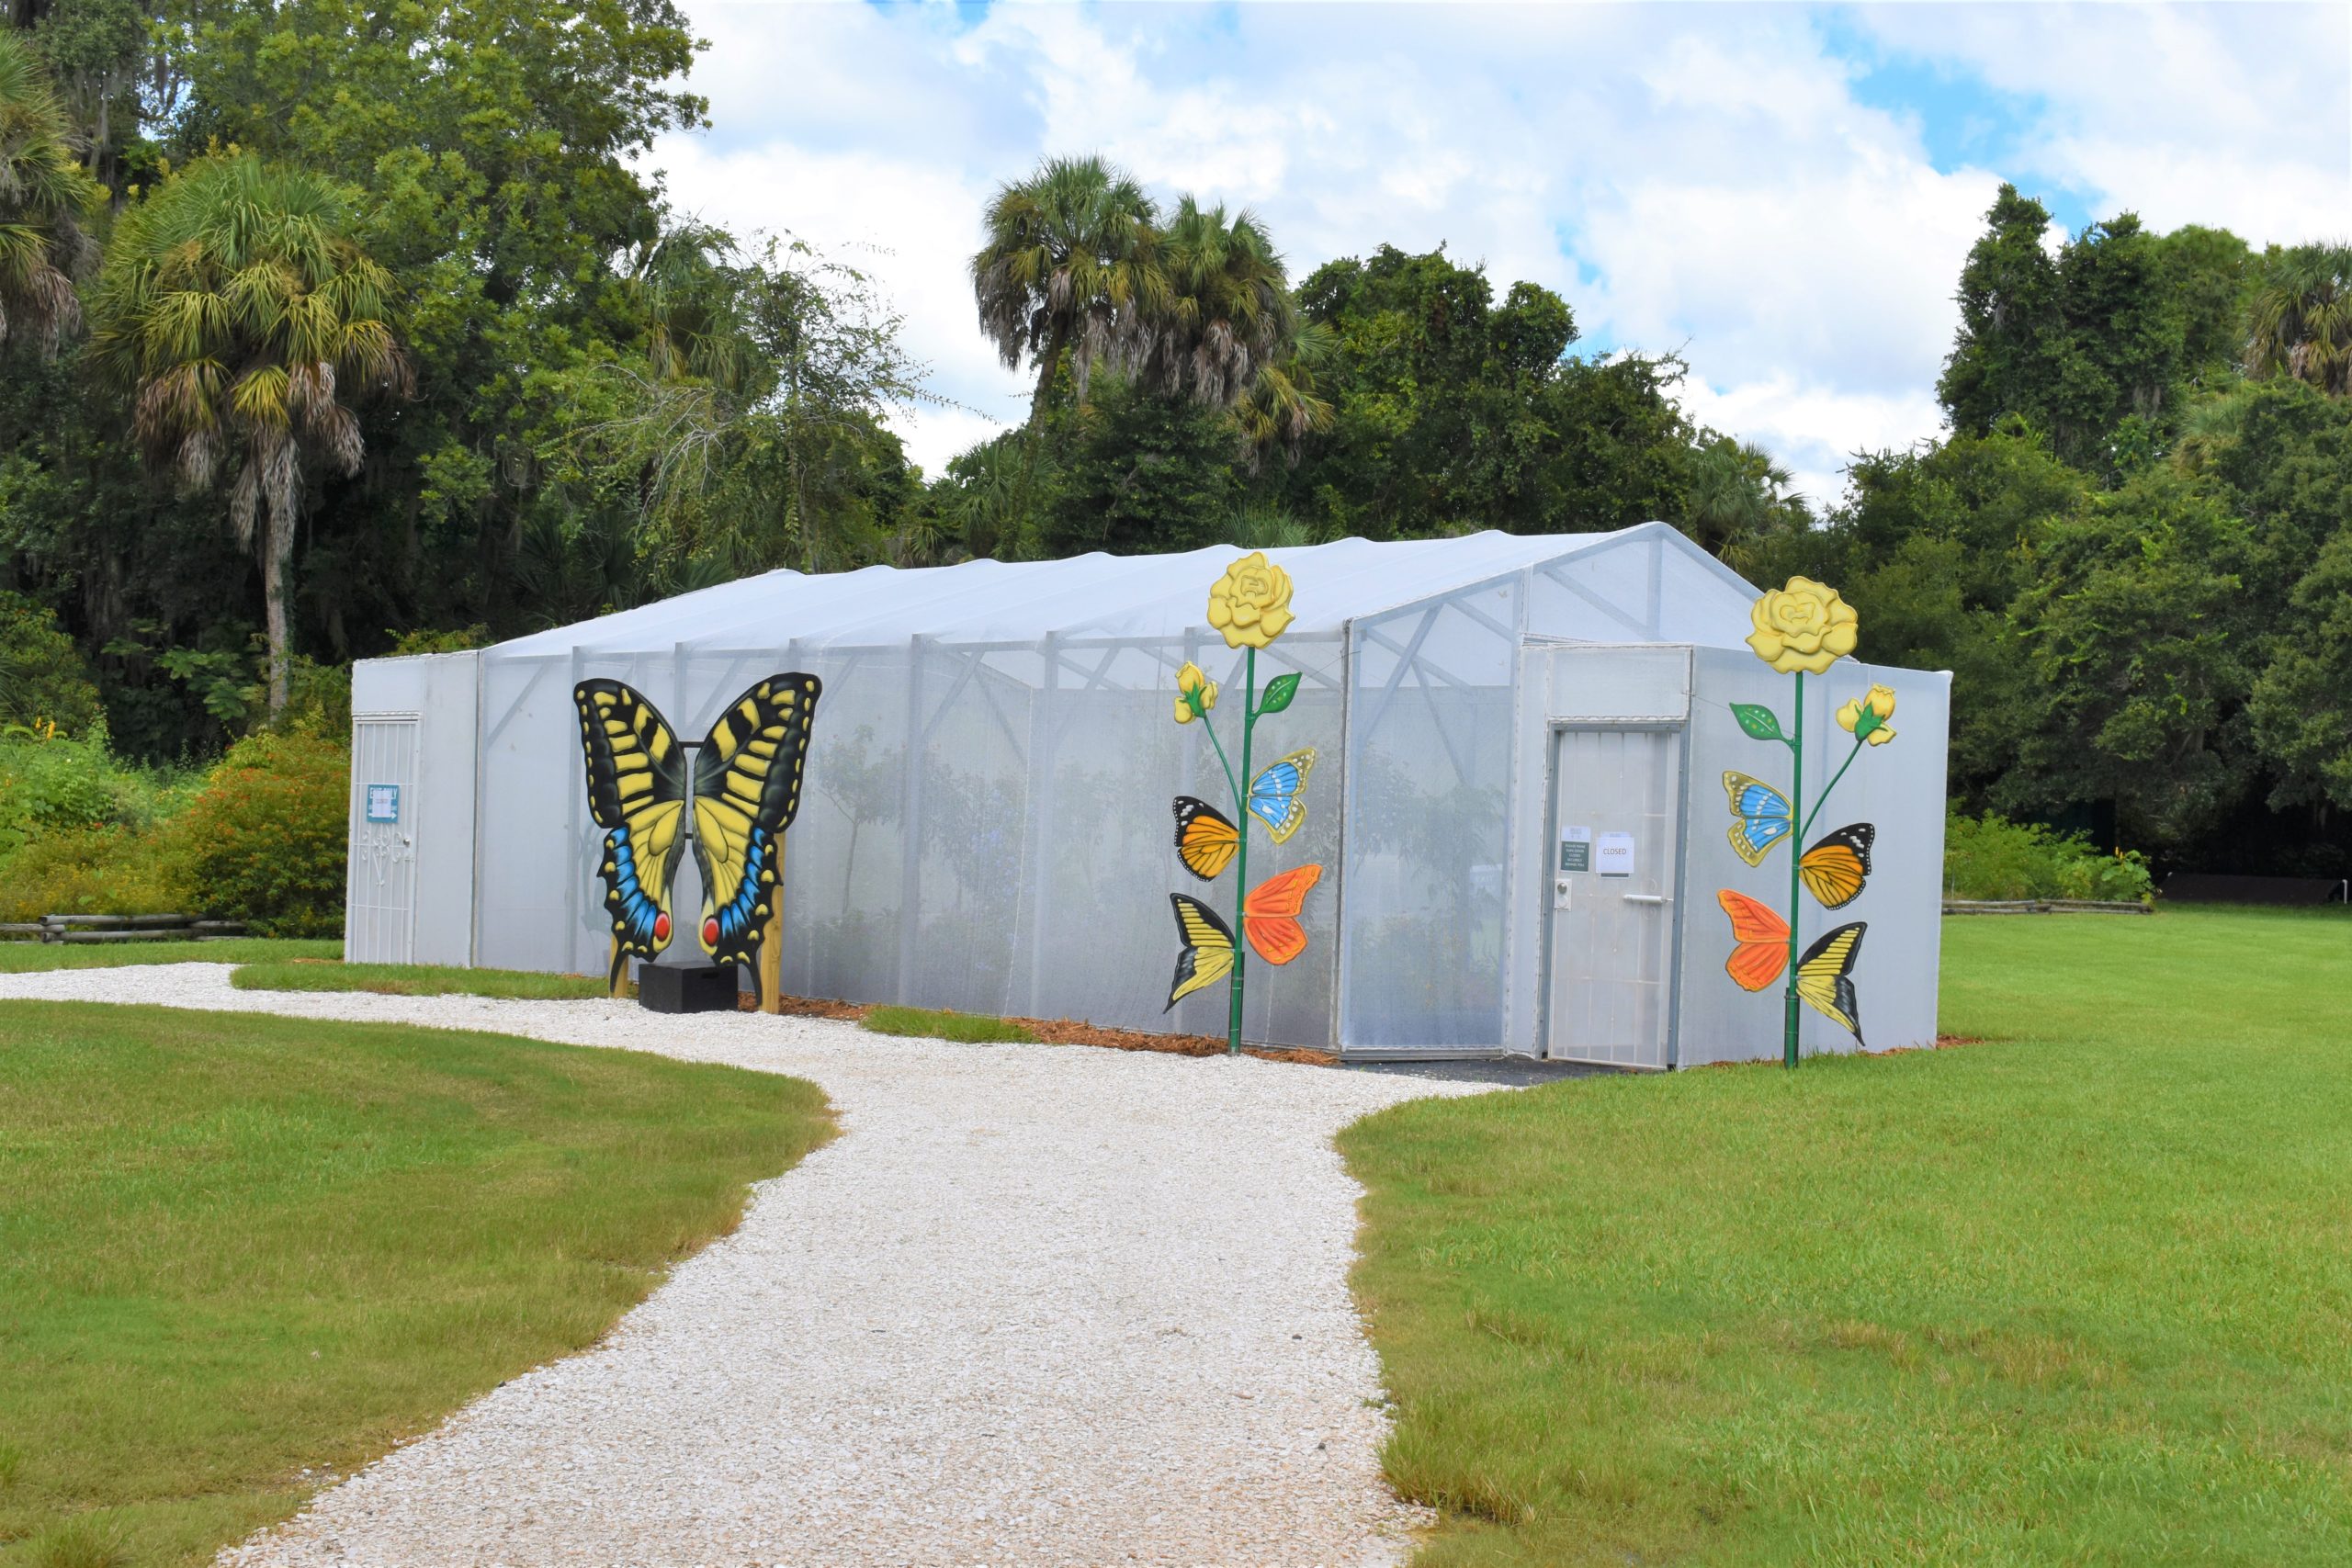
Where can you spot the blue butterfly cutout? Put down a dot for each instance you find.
(1762, 817)
(1274, 794)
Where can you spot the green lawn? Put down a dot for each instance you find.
(414, 980)
(232, 1246)
(23, 957)
(970, 1028)
(2080, 1294)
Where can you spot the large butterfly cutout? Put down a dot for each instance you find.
(744, 789)
(1825, 973)
(1835, 867)
(1274, 794)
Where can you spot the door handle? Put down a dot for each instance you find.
(1644, 898)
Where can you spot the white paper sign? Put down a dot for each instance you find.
(1614, 855)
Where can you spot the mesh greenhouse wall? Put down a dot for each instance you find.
(986, 818)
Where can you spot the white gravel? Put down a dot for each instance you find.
(1037, 1304)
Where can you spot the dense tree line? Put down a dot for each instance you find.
(331, 329)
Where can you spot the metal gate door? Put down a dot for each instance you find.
(380, 911)
(1616, 832)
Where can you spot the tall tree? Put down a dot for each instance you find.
(43, 194)
(2011, 345)
(2300, 323)
(1071, 262)
(241, 314)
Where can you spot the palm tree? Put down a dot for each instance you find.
(1070, 263)
(43, 190)
(2300, 320)
(244, 319)
(1226, 313)
(1280, 409)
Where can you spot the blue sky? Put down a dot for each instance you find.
(1783, 194)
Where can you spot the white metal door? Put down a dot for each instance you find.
(1616, 830)
(379, 913)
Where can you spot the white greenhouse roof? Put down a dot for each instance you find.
(1089, 595)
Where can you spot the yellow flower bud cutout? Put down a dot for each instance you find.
(1250, 606)
(1804, 628)
(1195, 692)
(1865, 717)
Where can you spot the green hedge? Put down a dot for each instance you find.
(1991, 857)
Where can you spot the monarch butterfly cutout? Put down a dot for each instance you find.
(1835, 867)
(745, 792)
(1274, 794)
(1207, 954)
(1269, 915)
(1825, 973)
(1205, 838)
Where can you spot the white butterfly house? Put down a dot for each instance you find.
(1516, 760)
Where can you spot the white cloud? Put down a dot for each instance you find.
(1696, 178)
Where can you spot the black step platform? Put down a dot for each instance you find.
(679, 987)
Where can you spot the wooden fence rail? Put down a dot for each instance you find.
(122, 927)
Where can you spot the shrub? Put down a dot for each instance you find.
(263, 839)
(42, 680)
(46, 786)
(84, 870)
(1991, 857)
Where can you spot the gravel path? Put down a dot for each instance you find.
(1037, 1304)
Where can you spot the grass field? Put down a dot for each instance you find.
(24, 957)
(970, 1028)
(2079, 1294)
(414, 980)
(234, 1246)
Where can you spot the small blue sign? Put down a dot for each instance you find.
(384, 803)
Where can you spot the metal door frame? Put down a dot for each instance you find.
(1680, 792)
(411, 790)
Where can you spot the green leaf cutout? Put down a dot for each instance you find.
(1758, 720)
(1279, 692)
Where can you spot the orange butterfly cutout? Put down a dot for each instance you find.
(1269, 915)
(1761, 939)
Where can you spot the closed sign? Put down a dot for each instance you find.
(1613, 855)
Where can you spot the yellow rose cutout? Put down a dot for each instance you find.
(1804, 628)
(1865, 717)
(1195, 692)
(1250, 603)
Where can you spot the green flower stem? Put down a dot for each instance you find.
(1241, 866)
(1823, 799)
(1796, 862)
(1227, 766)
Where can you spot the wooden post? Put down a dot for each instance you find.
(772, 942)
(617, 966)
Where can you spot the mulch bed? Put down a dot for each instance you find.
(1063, 1032)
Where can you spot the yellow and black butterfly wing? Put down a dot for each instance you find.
(637, 794)
(746, 793)
(1205, 838)
(1835, 868)
(1825, 977)
(1207, 955)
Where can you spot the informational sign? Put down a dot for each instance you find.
(1616, 856)
(384, 803)
(1576, 848)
